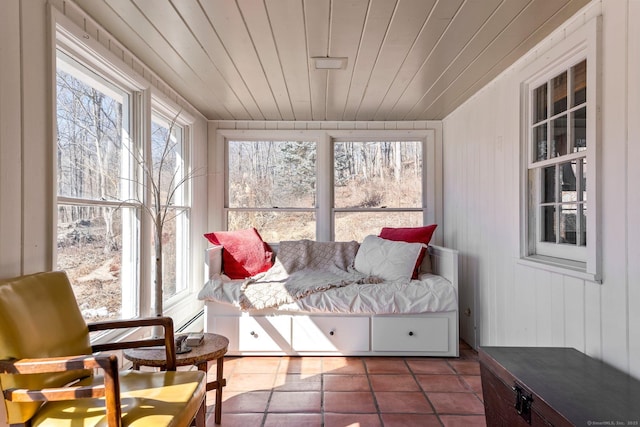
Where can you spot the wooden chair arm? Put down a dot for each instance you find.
(53, 394)
(54, 364)
(110, 390)
(167, 340)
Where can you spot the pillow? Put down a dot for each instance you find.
(244, 252)
(387, 259)
(413, 235)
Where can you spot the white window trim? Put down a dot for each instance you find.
(584, 43)
(324, 184)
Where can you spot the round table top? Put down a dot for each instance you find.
(213, 347)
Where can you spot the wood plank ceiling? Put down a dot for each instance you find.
(406, 59)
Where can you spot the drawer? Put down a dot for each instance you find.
(410, 334)
(264, 333)
(330, 334)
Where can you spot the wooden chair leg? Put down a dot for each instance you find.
(201, 416)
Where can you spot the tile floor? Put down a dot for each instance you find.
(350, 391)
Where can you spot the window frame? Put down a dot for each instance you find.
(581, 262)
(145, 98)
(431, 185)
(76, 66)
(162, 110)
(336, 210)
(228, 209)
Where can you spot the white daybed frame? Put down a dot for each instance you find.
(273, 332)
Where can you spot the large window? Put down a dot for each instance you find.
(327, 187)
(560, 178)
(557, 174)
(376, 184)
(271, 186)
(109, 170)
(96, 232)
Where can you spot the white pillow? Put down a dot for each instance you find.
(390, 260)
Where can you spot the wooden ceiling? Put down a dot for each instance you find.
(406, 59)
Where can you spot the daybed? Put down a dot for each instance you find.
(355, 314)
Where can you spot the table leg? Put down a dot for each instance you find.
(221, 383)
(216, 385)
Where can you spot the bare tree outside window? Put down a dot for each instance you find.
(89, 169)
(106, 183)
(376, 184)
(272, 187)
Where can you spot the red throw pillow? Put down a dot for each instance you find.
(411, 235)
(245, 254)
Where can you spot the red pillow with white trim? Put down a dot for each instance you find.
(244, 252)
(411, 235)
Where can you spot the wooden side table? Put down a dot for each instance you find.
(213, 347)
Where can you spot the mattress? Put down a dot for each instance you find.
(430, 293)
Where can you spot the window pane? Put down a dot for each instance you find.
(268, 174)
(378, 174)
(91, 251)
(568, 182)
(583, 228)
(579, 123)
(89, 138)
(568, 223)
(540, 103)
(275, 226)
(584, 179)
(167, 153)
(548, 224)
(174, 253)
(358, 225)
(579, 73)
(549, 184)
(559, 93)
(559, 132)
(540, 141)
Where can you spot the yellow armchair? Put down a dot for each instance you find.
(47, 365)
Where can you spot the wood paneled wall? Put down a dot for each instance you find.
(516, 304)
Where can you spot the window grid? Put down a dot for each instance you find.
(558, 159)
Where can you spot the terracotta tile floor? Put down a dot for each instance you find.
(350, 391)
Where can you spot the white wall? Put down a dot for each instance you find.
(521, 305)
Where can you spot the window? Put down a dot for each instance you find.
(322, 185)
(271, 186)
(97, 234)
(376, 184)
(557, 174)
(560, 110)
(169, 169)
(107, 168)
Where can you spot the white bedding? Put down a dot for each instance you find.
(431, 293)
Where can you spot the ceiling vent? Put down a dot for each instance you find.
(327, 63)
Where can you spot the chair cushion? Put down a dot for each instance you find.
(39, 317)
(148, 399)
